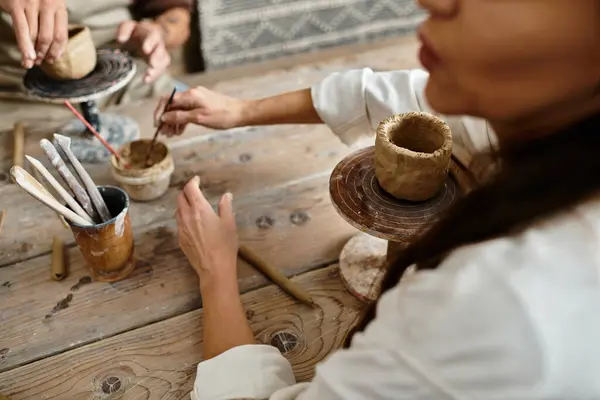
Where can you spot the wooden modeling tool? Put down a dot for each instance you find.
(275, 275)
(2, 215)
(38, 166)
(64, 143)
(59, 267)
(80, 194)
(37, 190)
(95, 133)
(38, 177)
(18, 143)
(160, 125)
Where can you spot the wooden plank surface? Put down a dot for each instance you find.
(158, 361)
(241, 161)
(297, 230)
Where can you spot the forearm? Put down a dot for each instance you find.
(225, 324)
(175, 24)
(287, 108)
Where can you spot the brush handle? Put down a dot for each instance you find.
(160, 125)
(64, 144)
(38, 191)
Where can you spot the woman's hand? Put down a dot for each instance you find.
(209, 240)
(147, 40)
(41, 29)
(200, 106)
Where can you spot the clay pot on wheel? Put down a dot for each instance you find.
(412, 155)
(78, 58)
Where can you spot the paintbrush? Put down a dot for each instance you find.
(160, 125)
(59, 189)
(38, 191)
(64, 143)
(95, 133)
(80, 194)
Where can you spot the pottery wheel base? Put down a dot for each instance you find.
(362, 266)
(115, 276)
(115, 129)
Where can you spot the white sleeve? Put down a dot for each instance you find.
(457, 332)
(246, 372)
(353, 103)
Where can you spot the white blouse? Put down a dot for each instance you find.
(512, 318)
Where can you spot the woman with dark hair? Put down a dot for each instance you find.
(504, 301)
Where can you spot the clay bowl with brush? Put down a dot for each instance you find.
(412, 155)
(78, 59)
(146, 178)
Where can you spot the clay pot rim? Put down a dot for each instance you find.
(394, 120)
(162, 164)
(110, 221)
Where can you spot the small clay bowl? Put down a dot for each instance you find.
(412, 155)
(78, 59)
(141, 182)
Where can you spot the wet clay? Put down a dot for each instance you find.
(135, 153)
(141, 182)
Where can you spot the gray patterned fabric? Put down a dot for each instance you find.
(239, 31)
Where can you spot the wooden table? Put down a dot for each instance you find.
(140, 338)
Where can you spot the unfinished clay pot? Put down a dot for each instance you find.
(412, 155)
(78, 59)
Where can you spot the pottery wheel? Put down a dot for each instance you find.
(358, 198)
(362, 266)
(113, 71)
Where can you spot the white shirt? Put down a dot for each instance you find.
(512, 318)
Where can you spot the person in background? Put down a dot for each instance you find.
(32, 31)
(503, 302)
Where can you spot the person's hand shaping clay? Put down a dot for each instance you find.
(199, 106)
(147, 40)
(209, 240)
(41, 28)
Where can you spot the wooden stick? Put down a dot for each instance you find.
(2, 215)
(275, 275)
(95, 133)
(59, 267)
(38, 191)
(64, 143)
(80, 194)
(18, 143)
(39, 167)
(38, 177)
(160, 125)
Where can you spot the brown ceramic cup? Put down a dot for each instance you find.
(412, 155)
(108, 247)
(78, 59)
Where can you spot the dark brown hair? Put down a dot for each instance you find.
(537, 179)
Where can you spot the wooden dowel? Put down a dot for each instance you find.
(59, 267)
(2, 215)
(18, 144)
(275, 275)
